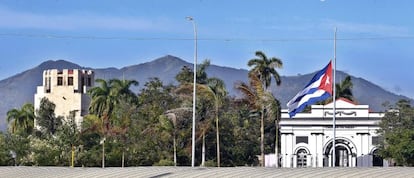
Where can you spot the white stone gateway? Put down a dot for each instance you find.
(306, 139)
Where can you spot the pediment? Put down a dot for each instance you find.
(342, 103)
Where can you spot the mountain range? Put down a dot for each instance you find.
(20, 88)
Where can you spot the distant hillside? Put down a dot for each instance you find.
(20, 88)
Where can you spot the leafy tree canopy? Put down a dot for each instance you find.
(397, 133)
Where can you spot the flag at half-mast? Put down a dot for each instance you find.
(318, 89)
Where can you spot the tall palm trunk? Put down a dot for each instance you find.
(262, 138)
(203, 150)
(103, 153)
(175, 149)
(123, 157)
(217, 137)
(277, 142)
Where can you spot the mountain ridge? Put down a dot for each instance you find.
(20, 88)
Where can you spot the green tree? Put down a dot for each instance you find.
(264, 69)
(217, 88)
(125, 112)
(121, 89)
(46, 118)
(20, 146)
(6, 158)
(344, 89)
(211, 92)
(397, 133)
(105, 99)
(68, 138)
(21, 120)
(174, 122)
(125, 106)
(150, 135)
(102, 102)
(254, 95)
(102, 105)
(185, 75)
(91, 137)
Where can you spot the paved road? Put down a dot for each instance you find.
(152, 172)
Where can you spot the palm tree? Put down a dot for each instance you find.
(22, 119)
(344, 89)
(264, 69)
(122, 88)
(105, 100)
(101, 103)
(215, 90)
(169, 123)
(254, 95)
(218, 89)
(186, 87)
(205, 97)
(124, 113)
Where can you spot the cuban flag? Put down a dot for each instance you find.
(318, 89)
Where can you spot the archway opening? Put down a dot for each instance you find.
(377, 159)
(301, 158)
(343, 154)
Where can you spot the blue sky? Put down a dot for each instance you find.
(375, 38)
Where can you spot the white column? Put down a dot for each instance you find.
(330, 160)
(315, 154)
(317, 151)
(354, 161)
(283, 150)
(370, 158)
(360, 152)
(289, 150)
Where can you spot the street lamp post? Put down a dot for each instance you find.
(194, 89)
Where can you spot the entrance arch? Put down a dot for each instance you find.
(377, 159)
(345, 153)
(302, 158)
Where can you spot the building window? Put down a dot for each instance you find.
(89, 81)
(70, 81)
(375, 140)
(301, 139)
(60, 81)
(48, 84)
(301, 158)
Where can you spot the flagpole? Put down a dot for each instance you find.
(334, 104)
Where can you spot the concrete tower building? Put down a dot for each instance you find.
(67, 90)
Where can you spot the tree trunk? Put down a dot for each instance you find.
(103, 153)
(217, 137)
(203, 150)
(123, 157)
(175, 150)
(262, 139)
(72, 163)
(277, 143)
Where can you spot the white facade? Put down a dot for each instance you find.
(306, 139)
(67, 90)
